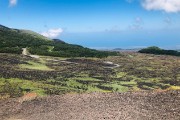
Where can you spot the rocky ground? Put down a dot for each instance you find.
(96, 106)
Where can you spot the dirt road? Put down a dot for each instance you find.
(25, 52)
(96, 106)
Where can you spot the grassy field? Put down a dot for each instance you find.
(35, 66)
(53, 75)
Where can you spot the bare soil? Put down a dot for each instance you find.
(96, 106)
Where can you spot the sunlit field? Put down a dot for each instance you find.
(52, 75)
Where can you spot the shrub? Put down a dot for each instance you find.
(158, 51)
(11, 89)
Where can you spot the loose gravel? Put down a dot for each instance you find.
(96, 106)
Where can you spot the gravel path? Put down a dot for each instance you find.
(25, 52)
(96, 106)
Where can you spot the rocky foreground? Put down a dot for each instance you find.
(96, 106)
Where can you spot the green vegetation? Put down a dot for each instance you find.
(53, 75)
(14, 87)
(75, 73)
(35, 66)
(13, 40)
(10, 89)
(158, 51)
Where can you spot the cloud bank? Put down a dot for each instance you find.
(12, 2)
(52, 33)
(169, 6)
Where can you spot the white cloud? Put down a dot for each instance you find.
(12, 2)
(169, 6)
(138, 20)
(52, 33)
(137, 24)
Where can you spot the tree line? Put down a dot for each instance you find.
(157, 51)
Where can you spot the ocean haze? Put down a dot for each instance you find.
(125, 40)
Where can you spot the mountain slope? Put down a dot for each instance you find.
(13, 40)
(158, 51)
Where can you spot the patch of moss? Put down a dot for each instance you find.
(35, 66)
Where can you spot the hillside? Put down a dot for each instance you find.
(158, 51)
(132, 86)
(13, 40)
(56, 75)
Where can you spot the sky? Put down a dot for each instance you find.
(99, 24)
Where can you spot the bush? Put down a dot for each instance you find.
(11, 89)
(157, 51)
(16, 50)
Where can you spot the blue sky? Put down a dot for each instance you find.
(98, 24)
